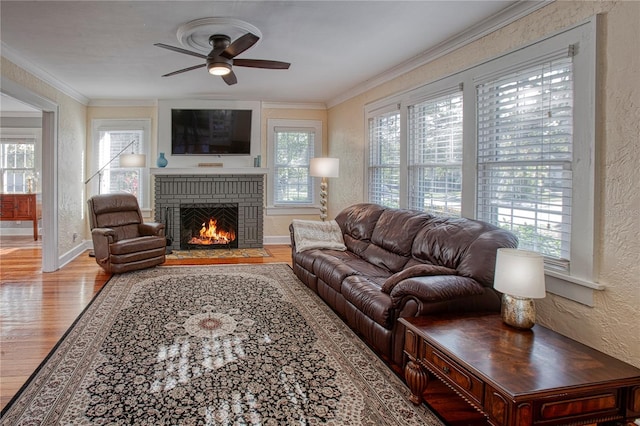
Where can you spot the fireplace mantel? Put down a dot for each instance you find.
(208, 171)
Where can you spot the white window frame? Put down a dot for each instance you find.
(580, 281)
(273, 208)
(144, 125)
(450, 164)
(373, 112)
(30, 136)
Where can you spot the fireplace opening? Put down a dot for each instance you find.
(208, 226)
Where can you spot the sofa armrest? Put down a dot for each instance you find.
(436, 288)
(151, 228)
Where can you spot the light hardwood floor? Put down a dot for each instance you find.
(37, 308)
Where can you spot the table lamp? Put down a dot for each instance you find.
(519, 276)
(325, 168)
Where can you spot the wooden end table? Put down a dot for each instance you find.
(519, 377)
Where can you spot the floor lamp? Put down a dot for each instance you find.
(126, 160)
(324, 168)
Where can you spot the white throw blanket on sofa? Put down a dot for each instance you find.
(313, 234)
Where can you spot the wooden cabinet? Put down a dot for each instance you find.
(20, 207)
(519, 377)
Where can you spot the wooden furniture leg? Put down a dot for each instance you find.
(417, 380)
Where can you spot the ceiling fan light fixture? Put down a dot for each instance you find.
(219, 68)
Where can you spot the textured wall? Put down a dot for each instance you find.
(71, 148)
(613, 324)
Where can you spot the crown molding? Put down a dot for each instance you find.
(294, 105)
(20, 114)
(501, 19)
(13, 56)
(123, 103)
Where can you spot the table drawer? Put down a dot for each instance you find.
(566, 408)
(606, 404)
(442, 366)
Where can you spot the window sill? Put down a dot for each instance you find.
(292, 210)
(572, 288)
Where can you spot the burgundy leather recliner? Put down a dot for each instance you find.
(122, 242)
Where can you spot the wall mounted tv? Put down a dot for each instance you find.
(210, 132)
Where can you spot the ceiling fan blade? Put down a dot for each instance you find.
(240, 45)
(180, 50)
(261, 63)
(230, 78)
(195, 67)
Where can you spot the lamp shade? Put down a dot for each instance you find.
(519, 273)
(324, 167)
(133, 160)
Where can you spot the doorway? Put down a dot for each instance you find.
(12, 91)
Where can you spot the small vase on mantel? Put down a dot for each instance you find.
(162, 161)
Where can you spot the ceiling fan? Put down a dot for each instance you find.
(220, 60)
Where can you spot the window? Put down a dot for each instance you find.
(18, 172)
(435, 155)
(384, 158)
(115, 137)
(292, 144)
(514, 146)
(525, 137)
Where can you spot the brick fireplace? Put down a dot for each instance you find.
(175, 190)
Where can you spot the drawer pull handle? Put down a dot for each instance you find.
(446, 369)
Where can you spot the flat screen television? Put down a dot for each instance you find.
(210, 132)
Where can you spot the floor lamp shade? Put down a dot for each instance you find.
(133, 160)
(324, 167)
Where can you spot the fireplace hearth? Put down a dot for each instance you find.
(208, 226)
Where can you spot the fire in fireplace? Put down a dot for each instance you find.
(208, 226)
(210, 234)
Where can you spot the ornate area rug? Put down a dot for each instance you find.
(215, 345)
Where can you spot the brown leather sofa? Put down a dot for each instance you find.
(121, 241)
(401, 263)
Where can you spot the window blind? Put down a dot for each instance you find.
(524, 154)
(293, 150)
(384, 159)
(435, 155)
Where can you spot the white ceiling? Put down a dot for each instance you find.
(103, 50)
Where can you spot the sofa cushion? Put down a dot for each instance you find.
(313, 234)
(415, 271)
(359, 220)
(482, 252)
(392, 238)
(332, 267)
(466, 245)
(364, 293)
(396, 229)
(444, 240)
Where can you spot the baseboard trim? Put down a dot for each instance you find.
(272, 240)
